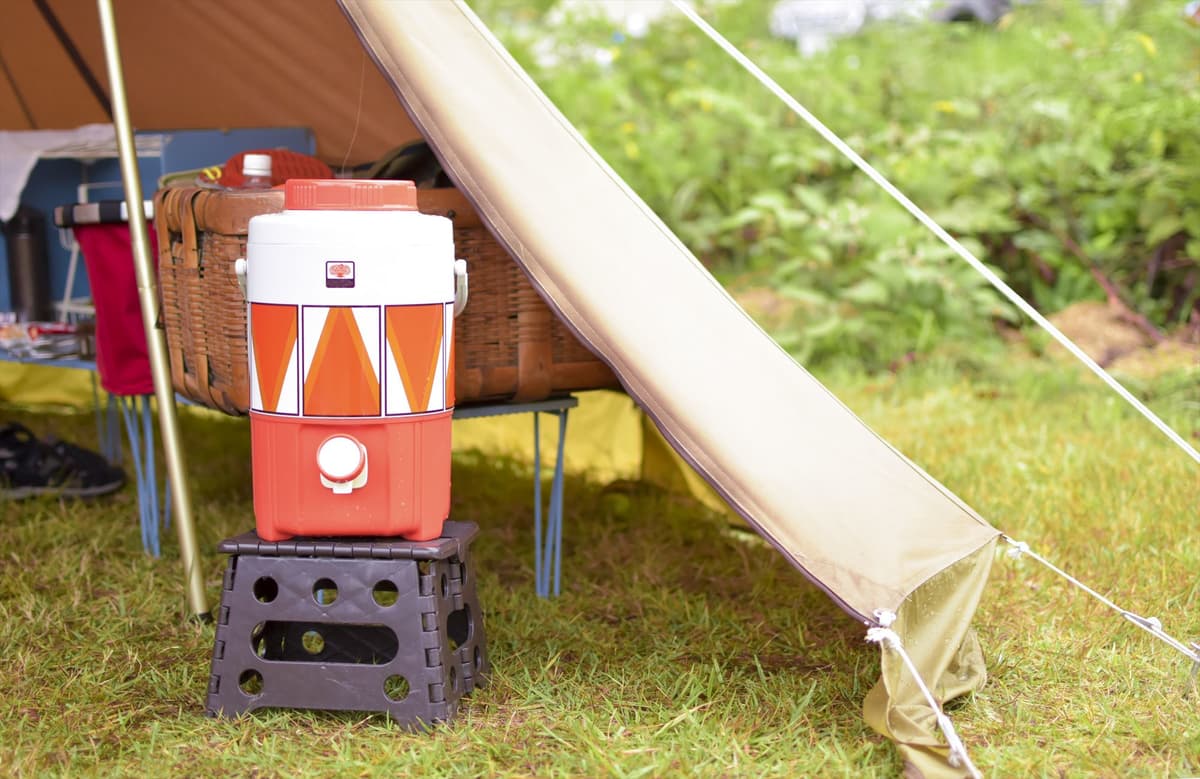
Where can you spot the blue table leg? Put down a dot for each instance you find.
(556, 500)
(139, 427)
(537, 508)
(108, 425)
(112, 430)
(547, 551)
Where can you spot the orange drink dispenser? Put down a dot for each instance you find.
(351, 295)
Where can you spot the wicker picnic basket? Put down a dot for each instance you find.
(509, 346)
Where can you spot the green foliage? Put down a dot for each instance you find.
(1061, 145)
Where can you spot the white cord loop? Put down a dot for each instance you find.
(1016, 548)
(890, 639)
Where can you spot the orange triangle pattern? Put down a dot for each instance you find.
(341, 381)
(414, 335)
(273, 331)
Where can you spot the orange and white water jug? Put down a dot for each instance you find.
(351, 296)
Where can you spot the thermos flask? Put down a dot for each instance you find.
(28, 265)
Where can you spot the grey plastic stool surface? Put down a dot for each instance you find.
(349, 624)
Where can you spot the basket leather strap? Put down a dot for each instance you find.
(166, 206)
(197, 379)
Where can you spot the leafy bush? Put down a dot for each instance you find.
(1060, 145)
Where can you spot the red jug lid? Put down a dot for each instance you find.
(349, 195)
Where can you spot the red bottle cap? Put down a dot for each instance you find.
(349, 195)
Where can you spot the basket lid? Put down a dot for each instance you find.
(349, 195)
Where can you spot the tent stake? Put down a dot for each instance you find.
(147, 294)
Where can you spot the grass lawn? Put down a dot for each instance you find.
(679, 647)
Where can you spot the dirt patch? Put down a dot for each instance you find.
(1101, 331)
(1108, 336)
(1158, 360)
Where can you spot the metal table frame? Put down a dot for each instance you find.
(547, 543)
(547, 540)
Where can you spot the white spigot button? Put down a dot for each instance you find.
(340, 458)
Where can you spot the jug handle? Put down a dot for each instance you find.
(461, 287)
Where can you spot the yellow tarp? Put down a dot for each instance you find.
(608, 437)
(38, 386)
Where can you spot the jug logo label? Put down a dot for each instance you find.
(339, 273)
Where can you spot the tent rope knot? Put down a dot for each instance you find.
(1017, 549)
(883, 635)
(1153, 624)
(884, 617)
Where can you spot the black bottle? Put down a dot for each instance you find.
(28, 265)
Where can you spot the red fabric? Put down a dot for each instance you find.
(121, 356)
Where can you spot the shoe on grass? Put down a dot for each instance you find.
(30, 467)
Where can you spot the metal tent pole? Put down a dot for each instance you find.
(147, 294)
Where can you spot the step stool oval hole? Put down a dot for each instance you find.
(258, 639)
(445, 589)
(453, 679)
(478, 659)
(325, 591)
(395, 687)
(266, 589)
(385, 592)
(251, 683)
(458, 627)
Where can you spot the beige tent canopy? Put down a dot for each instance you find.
(854, 515)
